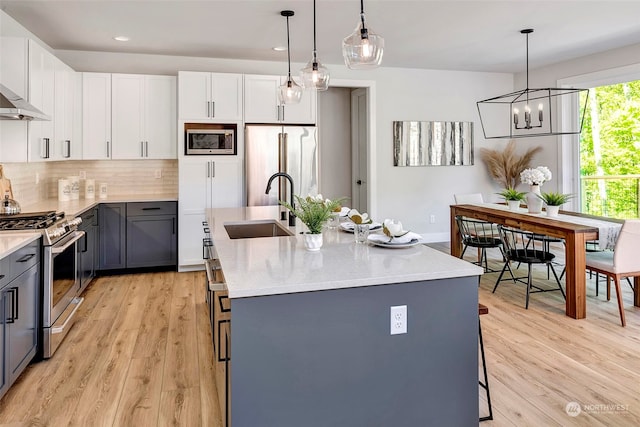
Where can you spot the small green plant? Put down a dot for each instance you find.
(512, 194)
(313, 211)
(555, 199)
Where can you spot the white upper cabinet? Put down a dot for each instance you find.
(143, 116)
(41, 95)
(96, 116)
(66, 144)
(262, 104)
(209, 97)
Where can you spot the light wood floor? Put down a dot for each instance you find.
(140, 356)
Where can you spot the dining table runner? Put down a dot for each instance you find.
(607, 231)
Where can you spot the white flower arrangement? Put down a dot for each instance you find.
(536, 176)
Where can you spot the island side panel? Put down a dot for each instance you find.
(327, 358)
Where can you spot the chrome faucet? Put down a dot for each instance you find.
(292, 217)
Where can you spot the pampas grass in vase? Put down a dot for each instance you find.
(505, 166)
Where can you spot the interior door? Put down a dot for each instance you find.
(359, 138)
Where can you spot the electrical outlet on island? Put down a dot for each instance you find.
(158, 173)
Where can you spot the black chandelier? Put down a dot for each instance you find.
(512, 115)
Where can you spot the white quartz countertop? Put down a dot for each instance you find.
(11, 241)
(281, 265)
(76, 207)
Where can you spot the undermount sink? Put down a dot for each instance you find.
(253, 229)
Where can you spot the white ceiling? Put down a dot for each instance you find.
(474, 35)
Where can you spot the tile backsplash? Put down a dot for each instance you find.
(123, 177)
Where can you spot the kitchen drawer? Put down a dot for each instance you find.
(152, 208)
(24, 258)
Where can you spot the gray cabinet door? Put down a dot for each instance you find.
(112, 235)
(88, 247)
(151, 241)
(22, 333)
(4, 380)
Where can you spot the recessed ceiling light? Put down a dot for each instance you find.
(280, 48)
(122, 38)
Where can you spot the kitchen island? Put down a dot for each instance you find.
(312, 344)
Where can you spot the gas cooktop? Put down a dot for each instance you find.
(29, 221)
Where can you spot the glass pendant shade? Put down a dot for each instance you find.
(290, 92)
(363, 48)
(315, 75)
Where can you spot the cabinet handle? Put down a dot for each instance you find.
(173, 225)
(283, 113)
(213, 169)
(1, 276)
(14, 305)
(213, 109)
(26, 258)
(141, 148)
(86, 246)
(277, 112)
(108, 151)
(226, 355)
(68, 143)
(208, 109)
(208, 169)
(155, 208)
(44, 148)
(146, 148)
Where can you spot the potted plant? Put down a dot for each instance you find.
(554, 201)
(313, 211)
(513, 197)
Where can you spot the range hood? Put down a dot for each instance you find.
(14, 107)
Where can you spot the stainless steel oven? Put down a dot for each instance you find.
(61, 278)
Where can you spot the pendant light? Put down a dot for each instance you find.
(315, 75)
(363, 48)
(513, 116)
(290, 92)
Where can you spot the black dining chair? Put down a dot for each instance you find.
(527, 248)
(481, 235)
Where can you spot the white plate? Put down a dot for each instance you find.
(349, 226)
(383, 241)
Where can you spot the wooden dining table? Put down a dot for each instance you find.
(574, 234)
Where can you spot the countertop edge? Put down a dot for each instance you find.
(17, 240)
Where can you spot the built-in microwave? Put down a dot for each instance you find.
(210, 139)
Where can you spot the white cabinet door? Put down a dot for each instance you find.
(194, 93)
(226, 97)
(127, 116)
(225, 184)
(302, 113)
(193, 183)
(41, 92)
(96, 116)
(212, 97)
(261, 99)
(65, 145)
(160, 117)
(263, 106)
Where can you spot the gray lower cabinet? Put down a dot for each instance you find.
(19, 297)
(112, 223)
(88, 247)
(138, 234)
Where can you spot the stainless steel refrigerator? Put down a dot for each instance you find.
(277, 148)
